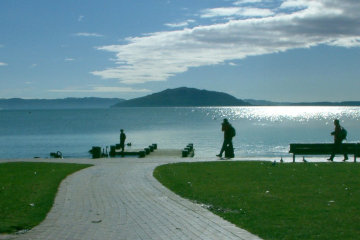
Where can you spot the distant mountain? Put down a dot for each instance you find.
(269, 103)
(66, 103)
(261, 102)
(184, 97)
(346, 103)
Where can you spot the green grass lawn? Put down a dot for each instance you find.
(27, 192)
(282, 201)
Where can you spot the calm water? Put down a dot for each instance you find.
(261, 131)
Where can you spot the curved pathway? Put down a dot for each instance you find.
(120, 199)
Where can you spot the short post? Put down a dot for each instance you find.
(112, 151)
(96, 152)
(147, 150)
(190, 146)
(151, 148)
(141, 154)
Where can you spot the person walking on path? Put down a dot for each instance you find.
(229, 133)
(339, 135)
(122, 140)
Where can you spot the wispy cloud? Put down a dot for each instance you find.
(242, 2)
(296, 4)
(34, 65)
(69, 59)
(2, 64)
(179, 24)
(101, 90)
(160, 55)
(236, 11)
(80, 18)
(86, 34)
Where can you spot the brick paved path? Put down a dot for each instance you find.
(120, 199)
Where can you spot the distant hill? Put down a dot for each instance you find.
(66, 103)
(184, 97)
(346, 103)
(269, 103)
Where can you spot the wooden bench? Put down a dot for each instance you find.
(323, 149)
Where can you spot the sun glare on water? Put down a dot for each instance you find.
(294, 113)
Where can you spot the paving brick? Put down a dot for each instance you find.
(120, 199)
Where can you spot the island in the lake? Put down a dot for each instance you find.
(177, 97)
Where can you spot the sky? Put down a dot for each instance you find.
(278, 50)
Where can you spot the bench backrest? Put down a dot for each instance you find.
(318, 148)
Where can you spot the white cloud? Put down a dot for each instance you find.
(80, 18)
(179, 24)
(241, 2)
(236, 11)
(102, 90)
(220, 12)
(256, 12)
(346, 42)
(160, 55)
(2, 64)
(85, 34)
(69, 59)
(296, 3)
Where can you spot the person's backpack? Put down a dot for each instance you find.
(232, 131)
(343, 133)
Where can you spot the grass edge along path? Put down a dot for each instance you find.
(281, 201)
(28, 190)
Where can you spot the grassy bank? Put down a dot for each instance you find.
(27, 192)
(282, 201)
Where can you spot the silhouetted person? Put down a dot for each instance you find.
(229, 133)
(122, 140)
(339, 136)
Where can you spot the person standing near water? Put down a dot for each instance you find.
(339, 135)
(122, 140)
(229, 133)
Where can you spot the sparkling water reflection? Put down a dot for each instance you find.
(261, 131)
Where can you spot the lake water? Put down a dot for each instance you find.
(261, 131)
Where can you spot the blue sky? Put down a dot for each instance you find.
(280, 50)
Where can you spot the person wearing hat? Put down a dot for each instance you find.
(122, 140)
(229, 133)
